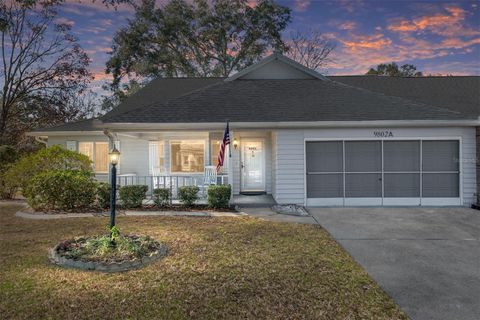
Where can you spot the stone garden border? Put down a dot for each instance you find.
(58, 260)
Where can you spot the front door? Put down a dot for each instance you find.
(253, 166)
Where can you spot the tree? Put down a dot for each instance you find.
(199, 38)
(392, 70)
(43, 68)
(310, 48)
(119, 95)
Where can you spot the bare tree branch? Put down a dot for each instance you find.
(310, 48)
(43, 67)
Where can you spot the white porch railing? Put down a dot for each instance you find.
(172, 182)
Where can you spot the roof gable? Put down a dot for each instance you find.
(276, 67)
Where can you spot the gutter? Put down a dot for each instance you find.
(106, 128)
(292, 125)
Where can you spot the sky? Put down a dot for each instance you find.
(439, 37)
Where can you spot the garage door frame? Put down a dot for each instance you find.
(457, 201)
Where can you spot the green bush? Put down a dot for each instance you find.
(132, 196)
(8, 155)
(188, 195)
(103, 194)
(53, 158)
(61, 189)
(162, 197)
(219, 196)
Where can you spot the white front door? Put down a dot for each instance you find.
(253, 165)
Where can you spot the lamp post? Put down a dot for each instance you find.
(114, 156)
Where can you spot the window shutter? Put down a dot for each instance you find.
(153, 159)
(72, 145)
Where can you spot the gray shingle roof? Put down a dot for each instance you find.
(160, 90)
(157, 91)
(459, 94)
(284, 100)
(455, 93)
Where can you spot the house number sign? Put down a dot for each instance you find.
(383, 134)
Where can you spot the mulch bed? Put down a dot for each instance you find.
(121, 211)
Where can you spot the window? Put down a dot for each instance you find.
(214, 150)
(187, 156)
(98, 153)
(156, 157)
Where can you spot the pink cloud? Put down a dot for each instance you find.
(447, 23)
(65, 21)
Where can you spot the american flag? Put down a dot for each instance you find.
(221, 153)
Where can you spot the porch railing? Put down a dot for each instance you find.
(172, 182)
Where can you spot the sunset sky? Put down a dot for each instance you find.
(439, 37)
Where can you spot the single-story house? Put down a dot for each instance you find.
(297, 135)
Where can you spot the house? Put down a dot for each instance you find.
(297, 135)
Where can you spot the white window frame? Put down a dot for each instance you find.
(94, 144)
(203, 142)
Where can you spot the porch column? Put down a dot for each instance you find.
(231, 162)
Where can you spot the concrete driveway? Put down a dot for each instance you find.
(426, 259)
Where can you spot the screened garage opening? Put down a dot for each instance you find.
(383, 172)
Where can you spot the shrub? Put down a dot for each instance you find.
(188, 195)
(8, 155)
(162, 197)
(61, 189)
(219, 196)
(103, 194)
(53, 158)
(132, 196)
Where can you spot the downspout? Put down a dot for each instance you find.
(42, 140)
(112, 137)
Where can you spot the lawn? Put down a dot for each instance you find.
(216, 268)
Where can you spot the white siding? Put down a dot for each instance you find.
(290, 144)
(274, 162)
(62, 140)
(134, 156)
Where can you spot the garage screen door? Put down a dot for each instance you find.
(410, 172)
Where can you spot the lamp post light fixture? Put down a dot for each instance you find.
(114, 156)
(235, 143)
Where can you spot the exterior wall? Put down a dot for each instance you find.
(62, 140)
(135, 152)
(277, 70)
(478, 161)
(274, 163)
(290, 162)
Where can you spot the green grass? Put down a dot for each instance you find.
(216, 268)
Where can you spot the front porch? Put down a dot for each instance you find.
(175, 159)
(174, 182)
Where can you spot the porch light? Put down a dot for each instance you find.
(235, 143)
(114, 156)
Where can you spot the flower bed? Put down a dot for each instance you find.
(100, 253)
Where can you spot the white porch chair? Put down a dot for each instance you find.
(157, 179)
(209, 177)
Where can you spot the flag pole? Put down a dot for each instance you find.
(231, 141)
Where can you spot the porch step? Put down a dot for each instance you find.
(253, 201)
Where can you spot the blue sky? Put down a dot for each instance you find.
(440, 37)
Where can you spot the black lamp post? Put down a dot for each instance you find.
(114, 157)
